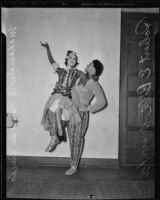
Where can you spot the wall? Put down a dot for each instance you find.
(92, 33)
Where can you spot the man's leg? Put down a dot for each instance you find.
(84, 126)
(76, 134)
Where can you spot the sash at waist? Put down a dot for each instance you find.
(62, 91)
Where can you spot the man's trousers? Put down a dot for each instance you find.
(76, 133)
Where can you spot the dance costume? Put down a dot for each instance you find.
(61, 97)
(81, 96)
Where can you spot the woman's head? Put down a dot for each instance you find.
(94, 69)
(71, 59)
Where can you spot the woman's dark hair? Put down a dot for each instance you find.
(98, 67)
(66, 59)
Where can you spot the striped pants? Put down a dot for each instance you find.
(53, 126)
(76, 133)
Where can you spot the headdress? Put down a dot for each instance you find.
(70, 53)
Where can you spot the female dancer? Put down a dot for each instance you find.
(59, 103)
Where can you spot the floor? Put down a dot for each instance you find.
(44, 182)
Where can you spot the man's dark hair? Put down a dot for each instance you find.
(66, 60)
(98, 67)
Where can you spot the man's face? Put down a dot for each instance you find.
(90, 69)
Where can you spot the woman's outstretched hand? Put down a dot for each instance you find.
(45, 44)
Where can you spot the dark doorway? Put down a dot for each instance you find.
(137, 88)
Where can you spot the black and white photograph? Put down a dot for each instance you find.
(80, 102)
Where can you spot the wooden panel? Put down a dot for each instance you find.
(150, 119)
(140, 137)
(135, 94)
(137, 154)
(134, 26)
(149, 112)
(134, 82)
(134, 53)
(133, 154)
(134, 106)
(136, 116)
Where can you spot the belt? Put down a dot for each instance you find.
(62, 93)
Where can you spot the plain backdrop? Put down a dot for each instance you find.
(94, 33)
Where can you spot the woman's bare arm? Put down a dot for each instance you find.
(50, 57)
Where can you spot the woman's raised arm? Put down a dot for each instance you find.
(50, 57)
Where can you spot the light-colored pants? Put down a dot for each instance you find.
(76, 133)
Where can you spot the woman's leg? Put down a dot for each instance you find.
(58, 118)
(53, 131)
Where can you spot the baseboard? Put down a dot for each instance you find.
(61, 161)
(138, 165)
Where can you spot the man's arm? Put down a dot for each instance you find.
(50, 57)
(101, 100)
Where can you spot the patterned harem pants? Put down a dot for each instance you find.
(76, 133)
(51, 117)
